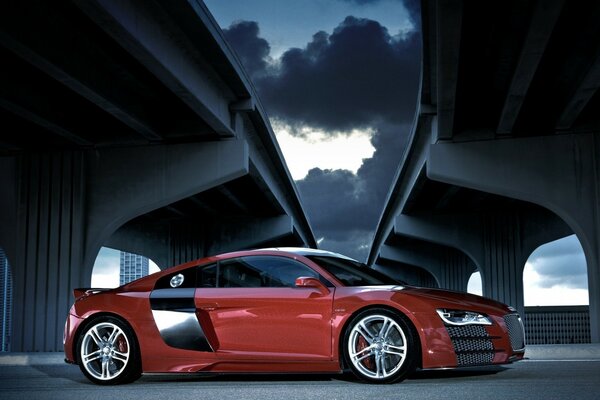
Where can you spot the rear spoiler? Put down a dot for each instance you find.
(81, 292)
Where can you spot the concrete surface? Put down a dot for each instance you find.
(543, 380)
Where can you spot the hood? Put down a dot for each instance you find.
(456, 300)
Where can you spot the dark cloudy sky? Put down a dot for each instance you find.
(339, 80)
(348, 70)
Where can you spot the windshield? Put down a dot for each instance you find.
(353, 273)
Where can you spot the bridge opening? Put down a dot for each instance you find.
(6, 290)
(556, 296)
(474, 286)
(113, 268)
(556, 274)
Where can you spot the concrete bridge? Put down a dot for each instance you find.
(505, 150)
(131, 125)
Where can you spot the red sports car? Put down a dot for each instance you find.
(283, 310)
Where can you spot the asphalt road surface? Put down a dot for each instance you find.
(578, 379)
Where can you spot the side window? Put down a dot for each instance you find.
(262, 271)
(207, 276)
(238, 273)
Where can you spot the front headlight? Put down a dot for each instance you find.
(461, 317)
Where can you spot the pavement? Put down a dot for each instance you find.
(552, 352)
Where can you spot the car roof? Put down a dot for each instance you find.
(304, 251)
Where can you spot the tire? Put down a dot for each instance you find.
(108, 352)
(380, 346)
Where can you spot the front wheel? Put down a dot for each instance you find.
(108, 352)
(380, 346)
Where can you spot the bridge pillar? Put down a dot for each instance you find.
(59, 208)
(408, 273)
(176, 242)
(498, 243)
(127, 183)
(42, 233)
(494, 250)
(450, 267)
(560, 173)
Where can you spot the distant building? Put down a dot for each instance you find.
(133, 266)
(5, 301)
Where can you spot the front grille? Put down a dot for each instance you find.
(472, 344)
(516, 332)
(467, 331)
(461, 345)
(465, 359)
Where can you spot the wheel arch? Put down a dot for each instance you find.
(93, 317)
(400, 313)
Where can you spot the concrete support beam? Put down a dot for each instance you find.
(246, 233)
(82, 75)
(141, 28)
(411, 174)
(176, 242)
(584, 93)
(408, 273)
(544, 18)
(61, 208)
(451, 268)
(449, 27)
(458, 231)
(498, 244)
(560, 173)
(143, 179)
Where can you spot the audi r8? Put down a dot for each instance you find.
(289, 310)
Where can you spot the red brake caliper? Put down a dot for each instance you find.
(122, 344)
(363, 344)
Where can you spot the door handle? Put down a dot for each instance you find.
(208, 306)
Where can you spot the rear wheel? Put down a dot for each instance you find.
(108, 352)
(380, 346)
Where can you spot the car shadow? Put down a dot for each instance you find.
(457, 373)
(235, 377)
(72, 373)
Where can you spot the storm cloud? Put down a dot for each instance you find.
(357, 76)
(252, 50)
(344, 208)
(560, 263)
(412, 6)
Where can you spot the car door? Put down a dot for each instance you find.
(256, 311)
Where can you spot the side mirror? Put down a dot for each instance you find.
(309, 282)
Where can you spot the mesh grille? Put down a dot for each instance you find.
(472, 344)
(467, 331)
(515, 331)
(474, 358)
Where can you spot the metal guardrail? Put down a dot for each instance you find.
(557, 324)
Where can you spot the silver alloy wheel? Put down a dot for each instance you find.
(105, 351)
(377, 346)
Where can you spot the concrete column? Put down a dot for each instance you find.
(126, 183)
(175, 242)
(61, 207)
(503, 260)
(560, 173)
(47, 254)
(450, 267)
(410, 274)
(497, 242)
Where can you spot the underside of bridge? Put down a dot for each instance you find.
(131, 125)
(505, 151)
